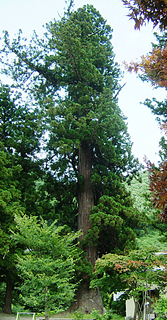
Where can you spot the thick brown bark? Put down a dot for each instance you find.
(86, 300)
(8, 298)
(86, 197)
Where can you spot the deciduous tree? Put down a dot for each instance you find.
(142, 11)
(133, 274)
(48, 264)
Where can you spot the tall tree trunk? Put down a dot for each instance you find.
(8, 297)
(86, 299)
(86, 197)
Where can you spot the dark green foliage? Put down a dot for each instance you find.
(19, 169)
(72, 75)
(10, 204)
(20, 135)
(19, 129)
(2, 294)
(113, 224)
(160, 308)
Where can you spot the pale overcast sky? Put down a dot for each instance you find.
(128, 44)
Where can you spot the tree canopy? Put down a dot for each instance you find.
(72, 75)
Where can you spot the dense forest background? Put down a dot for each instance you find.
(74, 201)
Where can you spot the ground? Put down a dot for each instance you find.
(13, 317)
(61, 316)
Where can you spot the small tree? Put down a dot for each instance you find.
(134, 273)
(48, 264)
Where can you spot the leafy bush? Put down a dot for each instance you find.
(108, 315)
(161, 309)
(119, 307)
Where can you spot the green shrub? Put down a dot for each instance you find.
(107, 315)
(161, 309)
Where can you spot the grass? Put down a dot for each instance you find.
(67, 316)
(78, 315)
(81, 316)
